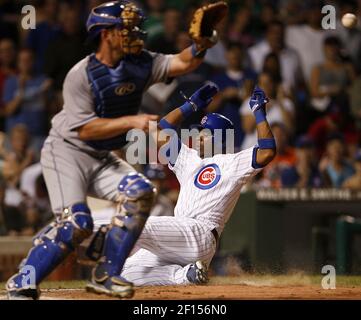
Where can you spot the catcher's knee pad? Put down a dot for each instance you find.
(56, 241)
(136, 193)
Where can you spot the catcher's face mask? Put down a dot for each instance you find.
(132, 40)
(132, 36)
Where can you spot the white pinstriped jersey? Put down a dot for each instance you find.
(209, 190)
(210, 187)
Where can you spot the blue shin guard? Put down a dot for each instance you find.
(51, 246)
(137, 195)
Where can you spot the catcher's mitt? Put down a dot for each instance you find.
(205, 19)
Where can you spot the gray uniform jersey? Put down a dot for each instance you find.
(72, 169)
(79, 106)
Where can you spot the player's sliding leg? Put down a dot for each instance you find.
(137, 194)
(146, 269)
(178, 240)
(51, 246)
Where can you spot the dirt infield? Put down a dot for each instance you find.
(227, 288)
(231, 292)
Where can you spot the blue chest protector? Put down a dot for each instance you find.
(118, 91)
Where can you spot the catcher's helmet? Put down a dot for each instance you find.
(122, 14)
(214, 121)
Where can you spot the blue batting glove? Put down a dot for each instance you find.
(200, 99)
(258, 99)
(258, 103)
(203, 96)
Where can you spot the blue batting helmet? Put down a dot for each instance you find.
(214, 121)
(122, 14)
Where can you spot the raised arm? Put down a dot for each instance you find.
(184, 62)
(266, 143)
(198, 101)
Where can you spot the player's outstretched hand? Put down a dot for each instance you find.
(203, 96)
(258, 99)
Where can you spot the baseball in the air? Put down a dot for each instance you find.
(349, 20)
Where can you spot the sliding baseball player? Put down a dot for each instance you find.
(178, 250)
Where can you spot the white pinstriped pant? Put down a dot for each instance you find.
(166, 248)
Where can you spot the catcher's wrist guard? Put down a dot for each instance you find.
(196, 53)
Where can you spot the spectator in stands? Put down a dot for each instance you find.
(2, 225)
(25, 98)
(355, 101)
(239, 30)
(285, 158)
(20, 155)
(46, 30)
(63, 53)
(330, 79)
(3, 230)
(304, 173)
(274, 42)
(266, 14)
(216, 56)
(67, 49)
(7, 69)
(332, 122)
(293, 12)
(235, 84)
(154, 23)
(12, 218)
(354, 182)
(307, 39)
(165, 42)
(10, 11)
(350, 37)
(37, 209)
(334, 167)
(279, 109)
(272, 67)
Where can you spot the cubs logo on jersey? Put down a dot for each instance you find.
(207, 177)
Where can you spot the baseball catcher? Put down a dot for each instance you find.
(102, 94)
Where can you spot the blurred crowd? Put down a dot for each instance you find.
(312, 77)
